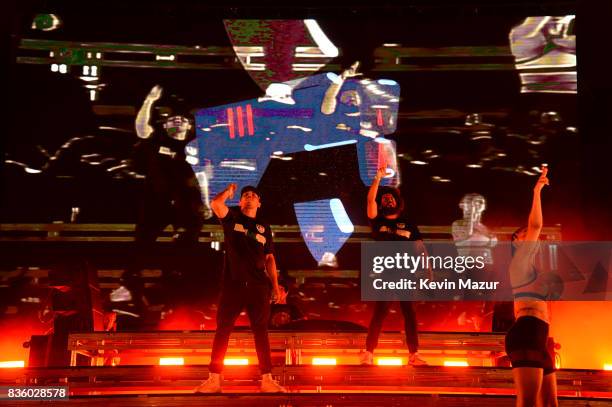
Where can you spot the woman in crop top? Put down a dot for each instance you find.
(533, 366)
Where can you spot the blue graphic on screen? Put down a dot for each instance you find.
(325, 227)
(235, 142)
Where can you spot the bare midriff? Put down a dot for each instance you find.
(529, 308)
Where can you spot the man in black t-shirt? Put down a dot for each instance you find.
(171, 193)
(389, 223)
(250, 278)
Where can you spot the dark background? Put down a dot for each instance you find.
(45, 110)
(48, 109)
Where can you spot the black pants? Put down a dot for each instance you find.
(410, 325)
(234, 298)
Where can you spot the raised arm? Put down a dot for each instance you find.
(218, 203)
(372, 206)
(143, 127)
(329, 100)
(535, 222)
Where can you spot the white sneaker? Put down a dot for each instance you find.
(210, 385)
(269, 385)
(415, 360)
(366, 358)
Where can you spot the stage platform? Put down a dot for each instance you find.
(295, 347)
(342, 384)
(338, 399)
(450, 385)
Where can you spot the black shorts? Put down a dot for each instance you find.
(527, 344)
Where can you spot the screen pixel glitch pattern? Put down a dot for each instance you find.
(325, 227)
(235, 142)
(273, 51)
(545, 54)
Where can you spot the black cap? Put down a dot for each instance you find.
(250, 188)
(169, 106)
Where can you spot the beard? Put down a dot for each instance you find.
(389, 210)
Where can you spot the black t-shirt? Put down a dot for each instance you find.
(399, 229)
(247, 242)
(160, 146)
(162, 159)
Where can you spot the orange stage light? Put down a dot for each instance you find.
(456, 363)
(171, 361)
(389, 361)
(607, 366)
(235, 361)
(324, 361)
(12, 364)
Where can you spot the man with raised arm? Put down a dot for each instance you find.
(250, 280)
(389, 223)
(171, 193)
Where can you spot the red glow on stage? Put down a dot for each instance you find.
(456, 363)
(235, 362)
(12, 364)
(572, 322)
(171, 361)
(389, 362)
(186, 318)
(318, 361)
(16, 330)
